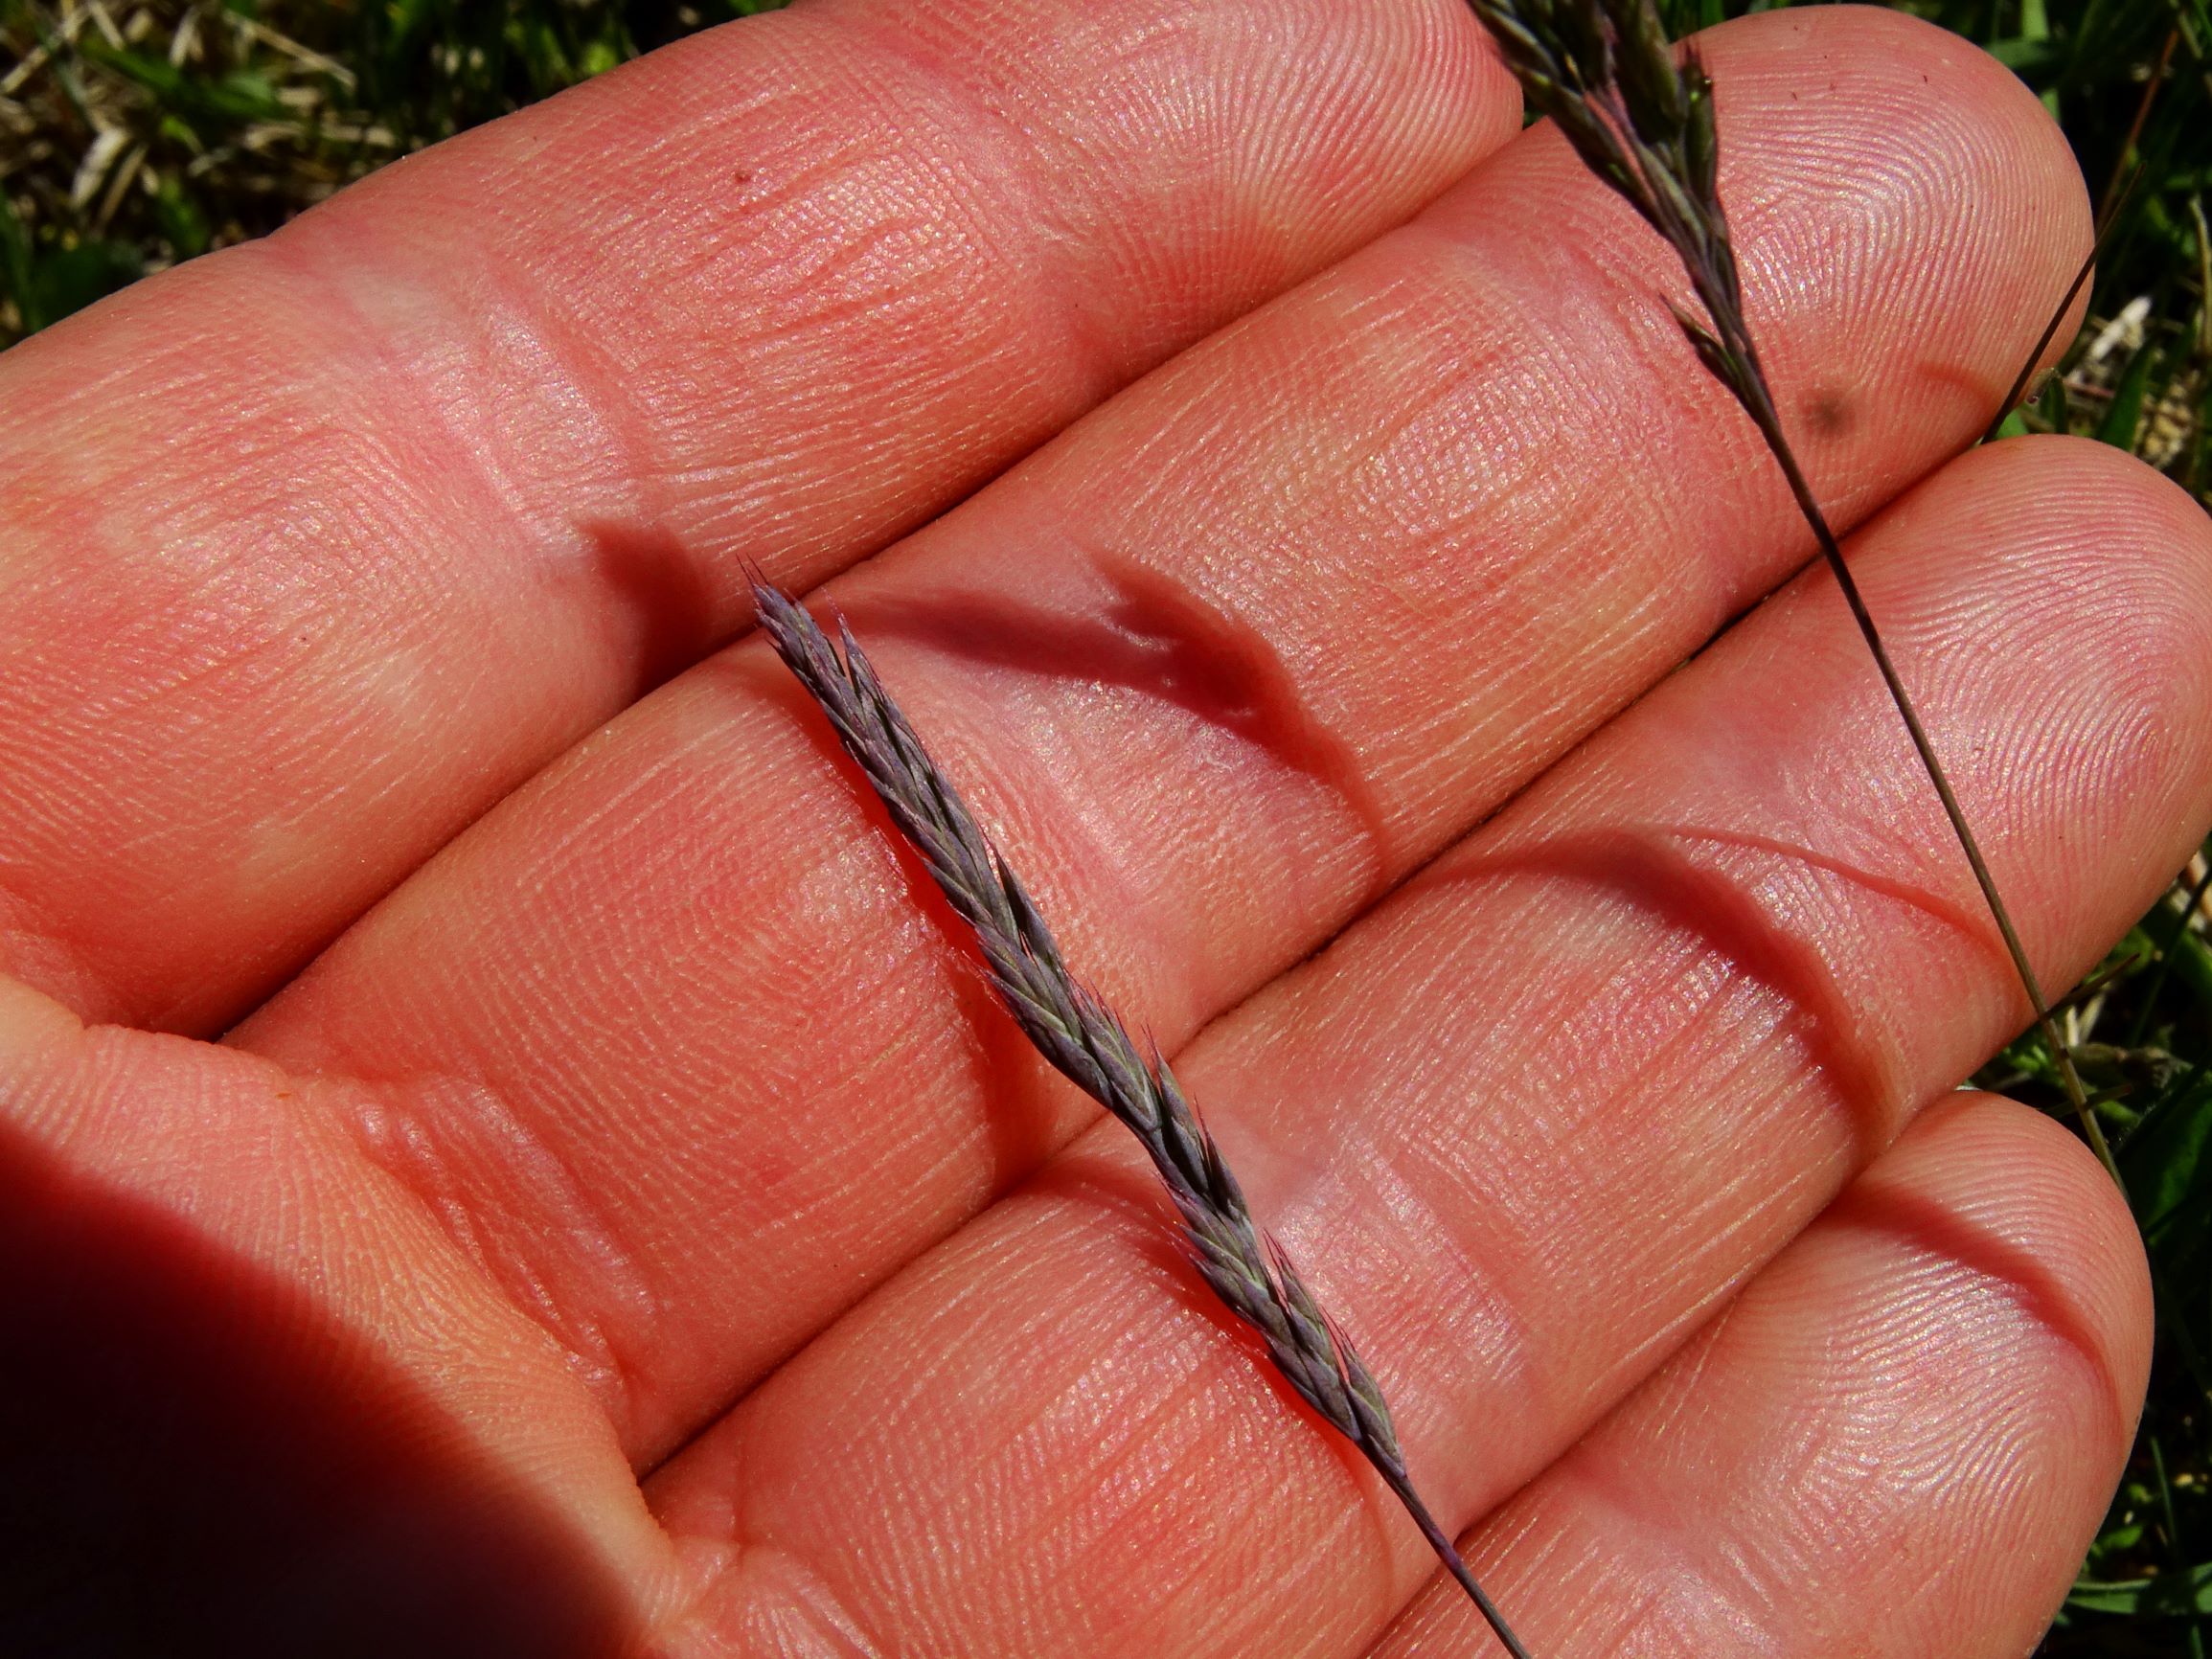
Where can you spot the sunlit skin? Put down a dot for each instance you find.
(501, 1153)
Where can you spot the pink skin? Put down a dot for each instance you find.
(638, 1232)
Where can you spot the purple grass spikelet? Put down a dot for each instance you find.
(1086, 1042)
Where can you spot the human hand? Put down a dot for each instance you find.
(659, 1129)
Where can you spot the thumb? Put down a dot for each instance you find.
(253, 1400)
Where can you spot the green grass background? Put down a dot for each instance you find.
(136, 135)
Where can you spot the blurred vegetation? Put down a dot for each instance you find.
(133, 135)
(2142, 1037)
(136, 135)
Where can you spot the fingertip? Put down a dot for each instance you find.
(1899, 1439)
(1943, 176)
(1932, 91)
(2086, 525)
(2138, 542)
(1896, 172)
(2005, 1189)
(2082, 473)
(2052, 598)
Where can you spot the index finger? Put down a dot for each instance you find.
(323, 544)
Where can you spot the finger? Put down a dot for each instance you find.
(319, 547)
(1237, 653)
(1526, 1126)
(253, 1400)
(1899, 1439)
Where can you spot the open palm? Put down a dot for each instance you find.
(494, 1160)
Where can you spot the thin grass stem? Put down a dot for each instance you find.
(1449, 1553)
(2108, 231)
(2110, 205)
(2062, 1052)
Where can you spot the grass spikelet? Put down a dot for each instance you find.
(1085, 1041)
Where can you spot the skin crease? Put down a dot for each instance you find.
(638, 1234)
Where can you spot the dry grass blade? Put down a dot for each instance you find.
(1083, 1039)
(1605, 73)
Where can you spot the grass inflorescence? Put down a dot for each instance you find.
(1087, 1043)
